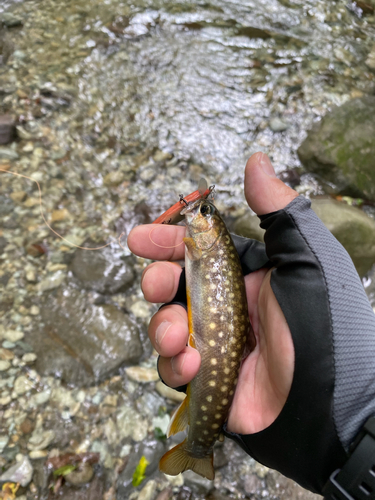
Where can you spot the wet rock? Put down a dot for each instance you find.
(253, 485)
(106, 271)
(80, 476)
(352, 227)
(82, 342)
(341, 148)
(10, 20)
(130, 423)
(12, 335)
(197, 483)
(22, 384)
(142, 374)
(147, 492)
(21, 472)
(40, 439)
(165, 494)
(248, 226)
(4, 365)
(278, 125)
(152, 450)
(7, 129)
(8, 154)
(51, 282)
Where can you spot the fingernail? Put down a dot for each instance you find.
(177, 362)
(161, 331)
(266, 165)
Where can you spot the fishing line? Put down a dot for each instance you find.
(45, 220)
(162, 246)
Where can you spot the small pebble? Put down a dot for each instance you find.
(13, 335)
(34, 310)
(22, 384)
(4, 365)
(141, 374)
(38, 454)
(29, 357)
(277, 125)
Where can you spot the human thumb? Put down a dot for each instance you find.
(264, 192)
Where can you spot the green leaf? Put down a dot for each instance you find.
(64, 470)
(139, 473)
(159, 434)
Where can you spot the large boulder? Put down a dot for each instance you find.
(352, 227)
(82, 342)
(341, 148)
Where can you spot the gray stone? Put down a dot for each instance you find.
(7, 129)
(21, 472)
(8, 154)
(248, 226)
(105, 271)
(341, 148)
(197, 483)
(278, 125)
(353, 228)
(10, 20)
(51, 282)
(82, 342)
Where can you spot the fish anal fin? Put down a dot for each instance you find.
(178, 460)
(180, 419)
(193, 251)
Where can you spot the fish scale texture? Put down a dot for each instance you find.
(353, 324)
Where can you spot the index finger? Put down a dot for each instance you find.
(157, 242)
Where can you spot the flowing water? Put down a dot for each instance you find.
(120, 106)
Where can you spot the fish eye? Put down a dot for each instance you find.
(207, 209)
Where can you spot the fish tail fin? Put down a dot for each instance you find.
(178, 460)
(180, 419)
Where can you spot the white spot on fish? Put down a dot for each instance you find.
(212, 383)
(212, 326)
(212, 260)
(209, 299)
(221, 334)
(218, 415)
(226, 370)
(230, 273)
(213, 361)
(231, 295)
(198, 422)
(231, 393)
(205, 418)
(223, 388)
(219, 407)
(209, 399)
(204, 408)
(220, 297)
(205, 432)
(213, 286)
(233, 354)
(221, 251)
(222, 349)
(224, 402)
(230, 309)
(207, 276)
(212, 343)
(214, 372)
(214, 426)
(213, 310)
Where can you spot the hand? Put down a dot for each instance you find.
(266, 374)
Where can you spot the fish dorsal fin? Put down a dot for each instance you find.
(180, 419)
(202, 186)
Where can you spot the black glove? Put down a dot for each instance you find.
(333, 330)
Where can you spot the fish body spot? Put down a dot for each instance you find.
(212, 383)
(223, 388)
(213, 361)
(209, 399)
(214, 426)
(212, 343)
(204, 408)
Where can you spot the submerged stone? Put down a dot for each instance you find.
(82, 342)
(105, 271)
(341, 148)
(21, 472)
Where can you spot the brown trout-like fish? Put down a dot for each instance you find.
(219, 328)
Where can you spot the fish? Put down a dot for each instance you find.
(219, 328)
(173, 214)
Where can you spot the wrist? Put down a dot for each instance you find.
(356, 479)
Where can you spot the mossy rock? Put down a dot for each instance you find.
(341, 148)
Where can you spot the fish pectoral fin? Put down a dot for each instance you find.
(180, 419)
(194, 253)
(178, 460)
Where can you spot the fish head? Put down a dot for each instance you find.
(204, 223)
